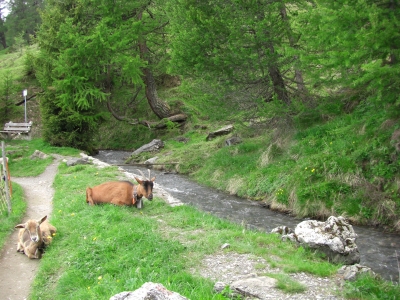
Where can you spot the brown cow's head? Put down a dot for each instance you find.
(145, 188)
(33, 228)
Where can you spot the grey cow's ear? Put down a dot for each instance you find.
(42, 219)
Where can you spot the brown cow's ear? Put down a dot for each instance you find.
(154, 178)
(20, 226)
(138, 180)
(42, 219)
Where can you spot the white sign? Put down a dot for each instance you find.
(25, 92)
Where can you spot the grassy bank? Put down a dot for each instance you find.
(103, 250)
(348, 166)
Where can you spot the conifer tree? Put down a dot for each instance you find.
(241, 40)
(23, 19)
(354, 44)
(91, 50)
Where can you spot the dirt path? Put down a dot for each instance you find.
(17, 271)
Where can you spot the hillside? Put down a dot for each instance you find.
(338, 158)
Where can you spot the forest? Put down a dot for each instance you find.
(311, 86)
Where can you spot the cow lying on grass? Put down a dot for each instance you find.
(121, 192)
(34, 236)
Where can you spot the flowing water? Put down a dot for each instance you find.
(378, 249)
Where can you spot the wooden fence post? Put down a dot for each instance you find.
(6, 176)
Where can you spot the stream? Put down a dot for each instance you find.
(378, 250)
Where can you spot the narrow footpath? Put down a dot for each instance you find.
(17, 271)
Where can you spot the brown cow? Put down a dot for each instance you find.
(121, 192)
(33, 236)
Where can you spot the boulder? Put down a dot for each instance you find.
(335, 237)
(350, 273)
(39, 154)
(222, 131)
(286, 232)
(282, 230)
(250, 287)
(151, 161)
(219, 286)
(153, 146)
(233, 141)
(149, 290)
(77, 161)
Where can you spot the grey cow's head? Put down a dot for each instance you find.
(33, 228)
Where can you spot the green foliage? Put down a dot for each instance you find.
(12, 82)
(87, 62)
(207, 101)
(7, 109)
(68, 128)
(22, 22)
(355, 45)
(19, 43)
(29, 61)
(237, 49)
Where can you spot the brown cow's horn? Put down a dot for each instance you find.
(144, 177)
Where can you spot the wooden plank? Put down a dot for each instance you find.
(12, 127)
(16, 129)
(142, 164)
(18, 124)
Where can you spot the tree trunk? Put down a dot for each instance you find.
(159, 107)
(277, 80)
(2, 33)
(3, 40)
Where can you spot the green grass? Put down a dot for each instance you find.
(99, 251)
(12, 62)
(287, 284)
(102, 250)
(19, 153)
(370, 288)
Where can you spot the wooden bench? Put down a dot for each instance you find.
(21, 130)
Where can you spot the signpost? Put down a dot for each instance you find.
(25, 93)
